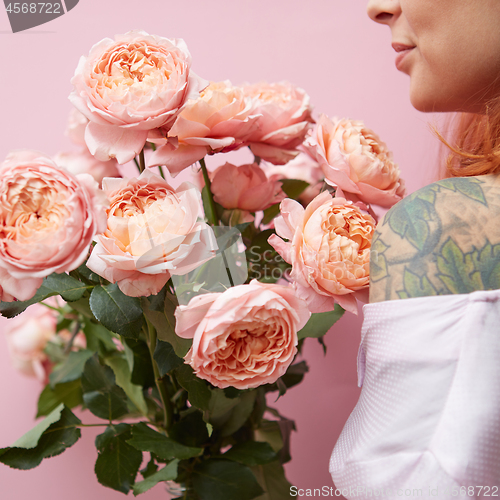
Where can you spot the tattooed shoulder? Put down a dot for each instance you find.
(442, 239)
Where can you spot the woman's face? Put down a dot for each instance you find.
(450, 49)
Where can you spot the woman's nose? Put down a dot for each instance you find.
(383, 11)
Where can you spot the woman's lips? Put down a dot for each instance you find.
(403, 50)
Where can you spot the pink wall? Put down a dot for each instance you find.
(328, 47)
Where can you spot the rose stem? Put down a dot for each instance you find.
(137, 164)
(214, 221)
(160, 383)
(74, 333)
(231, 282)
(142, 163)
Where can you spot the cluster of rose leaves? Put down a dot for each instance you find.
(136, 98)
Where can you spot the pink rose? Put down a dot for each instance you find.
(75, 129)
(48, 218)
(244, 337)
(129, 86)
(27, 337)
(82, 162)
(285, 119)
(328, 248)
(245, 188)
(220, 120)
(152, 233)
(356, 160)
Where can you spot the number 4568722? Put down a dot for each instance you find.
(34, 8)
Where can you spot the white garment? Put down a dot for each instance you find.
(428, 416)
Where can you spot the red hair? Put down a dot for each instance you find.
(475, 149)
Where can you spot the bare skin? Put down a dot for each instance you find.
(443, 239)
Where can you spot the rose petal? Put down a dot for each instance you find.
(107, 141)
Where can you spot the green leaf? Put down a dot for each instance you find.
(70, 289)
(168, 473)
(281, 387)
(116, 311)
(82, 306)
(57, 432)
(55, 352)
(157, 302)
(99, 338)
(166, 358)
(270, 213)
(146, 439)
(101, 395)
(69, 393)
(272, 479)
(232, 392)
(117, 463)
(164, 323)
(191, 430)
(239, 414)
(142, 368)
(71, 369)
(320, 323)
(286, 427)
(294, 374)
(293, 188)
(277, 434)
(199, 393)
(226, 237)
(123, 378)
(260, 245)
(220, 408)
(84, 271)
(251, 453)
(220, 479)
(414, 286)
(219, 404)
(55, 284)
(150, 469)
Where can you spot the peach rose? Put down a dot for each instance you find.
(82, 162)
(356, 160)
(285, 119)
(48, 218)
(244, 337)
(152, 233)
(27, 337)
(129, 86)
(245, 188)
(220, 120)
(328, 248)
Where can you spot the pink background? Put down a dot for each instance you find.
(328, 47)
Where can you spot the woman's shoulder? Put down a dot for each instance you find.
(442, 239)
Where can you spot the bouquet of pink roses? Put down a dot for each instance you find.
(170, 309)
